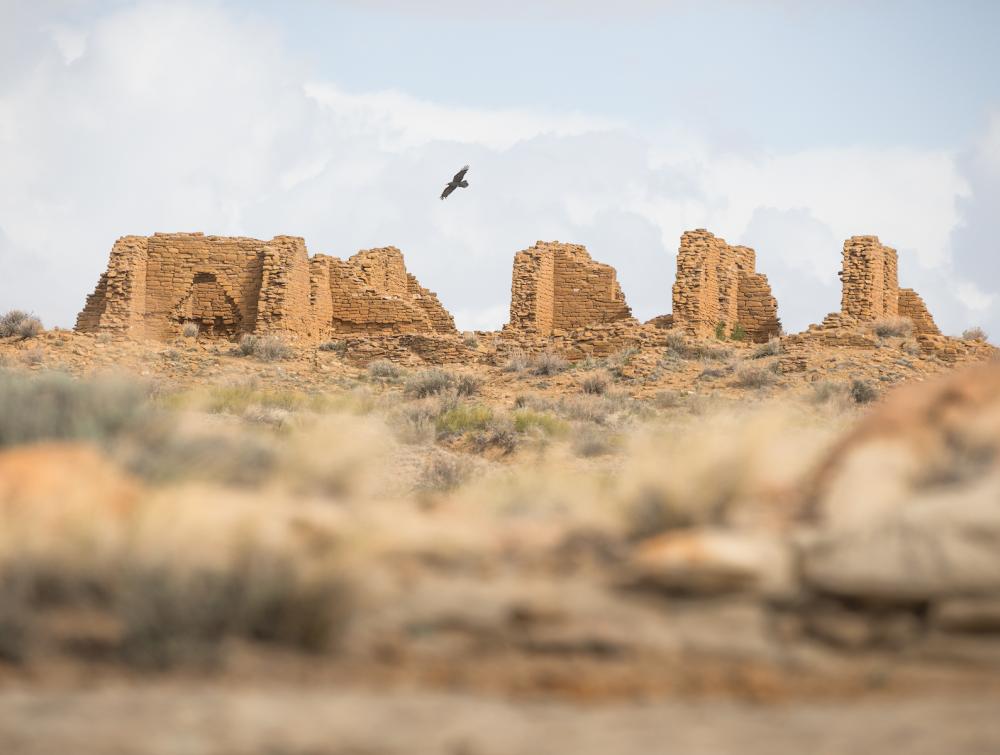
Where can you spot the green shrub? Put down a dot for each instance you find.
(738, 333)
(527, 420)
(720, 331)
(463, 418)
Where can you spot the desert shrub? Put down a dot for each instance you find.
(9, 322)
(33, 357)
(467, 385)
(52, 406)
(171, 614)
(712, 373)
(271, 349)
(667, 399)
(237, 398)
(720, 331)
(619, 361)
(517, 361)
(678, 346)
(748, 376)
(338, 347)
(974, 334)
(825, 390)
(863, 392)
(890, 327)
(383, 369)
(247, 344)
(444, 472)
(416, 423)
(770, 349)
(190, 330)
(499, 432)
(104, 337)
(29, 327)
(593, 441)
(738, 333)
(462, 419)
(594, 384)
(470, 340)
(548, 363)
(428, 383)
(528, 420)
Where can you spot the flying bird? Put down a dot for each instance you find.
(458, 180)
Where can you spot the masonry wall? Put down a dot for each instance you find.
(230, 286)
(717, 283)
(912, 306)
(869, 279)
(559, 287)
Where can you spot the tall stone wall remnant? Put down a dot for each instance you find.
(228, 286)
(717, 283)
(558, 287)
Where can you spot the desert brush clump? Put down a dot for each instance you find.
(269, 348)
(770, 349)
(462, 419)
(430, 382)
(444, 472)
(753, 376)
(547, 363)
(863, 392)
(594, 384)
(190, 330)
(55, 406)
(893, 327)
(974, 333)
(16, 323)
(337, 347)
(383, 369)
(679, 347)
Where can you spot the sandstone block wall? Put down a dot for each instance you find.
(229, 286)
(558, 287)
(869, 279)
(912, 307)
(717, 283)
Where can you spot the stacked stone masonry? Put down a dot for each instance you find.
(228, 286)
(717, 283)
(557, 288)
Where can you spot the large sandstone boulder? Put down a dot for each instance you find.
(908, 504)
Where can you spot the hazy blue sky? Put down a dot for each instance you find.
(784, 125)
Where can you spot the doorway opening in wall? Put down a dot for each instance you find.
(207, 304)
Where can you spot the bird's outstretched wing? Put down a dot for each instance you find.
(448, 190)
(460, 175)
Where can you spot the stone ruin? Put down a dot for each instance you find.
(871, 291)
(560, 297)
(558, 287)
(716, 284)
(229, 286)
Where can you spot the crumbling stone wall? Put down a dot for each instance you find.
(372, 292)
(717, 283)
(228, 286)
(558, 287)
(912, 307)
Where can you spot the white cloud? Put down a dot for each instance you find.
(181, 117)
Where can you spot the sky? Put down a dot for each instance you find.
(783, 125)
